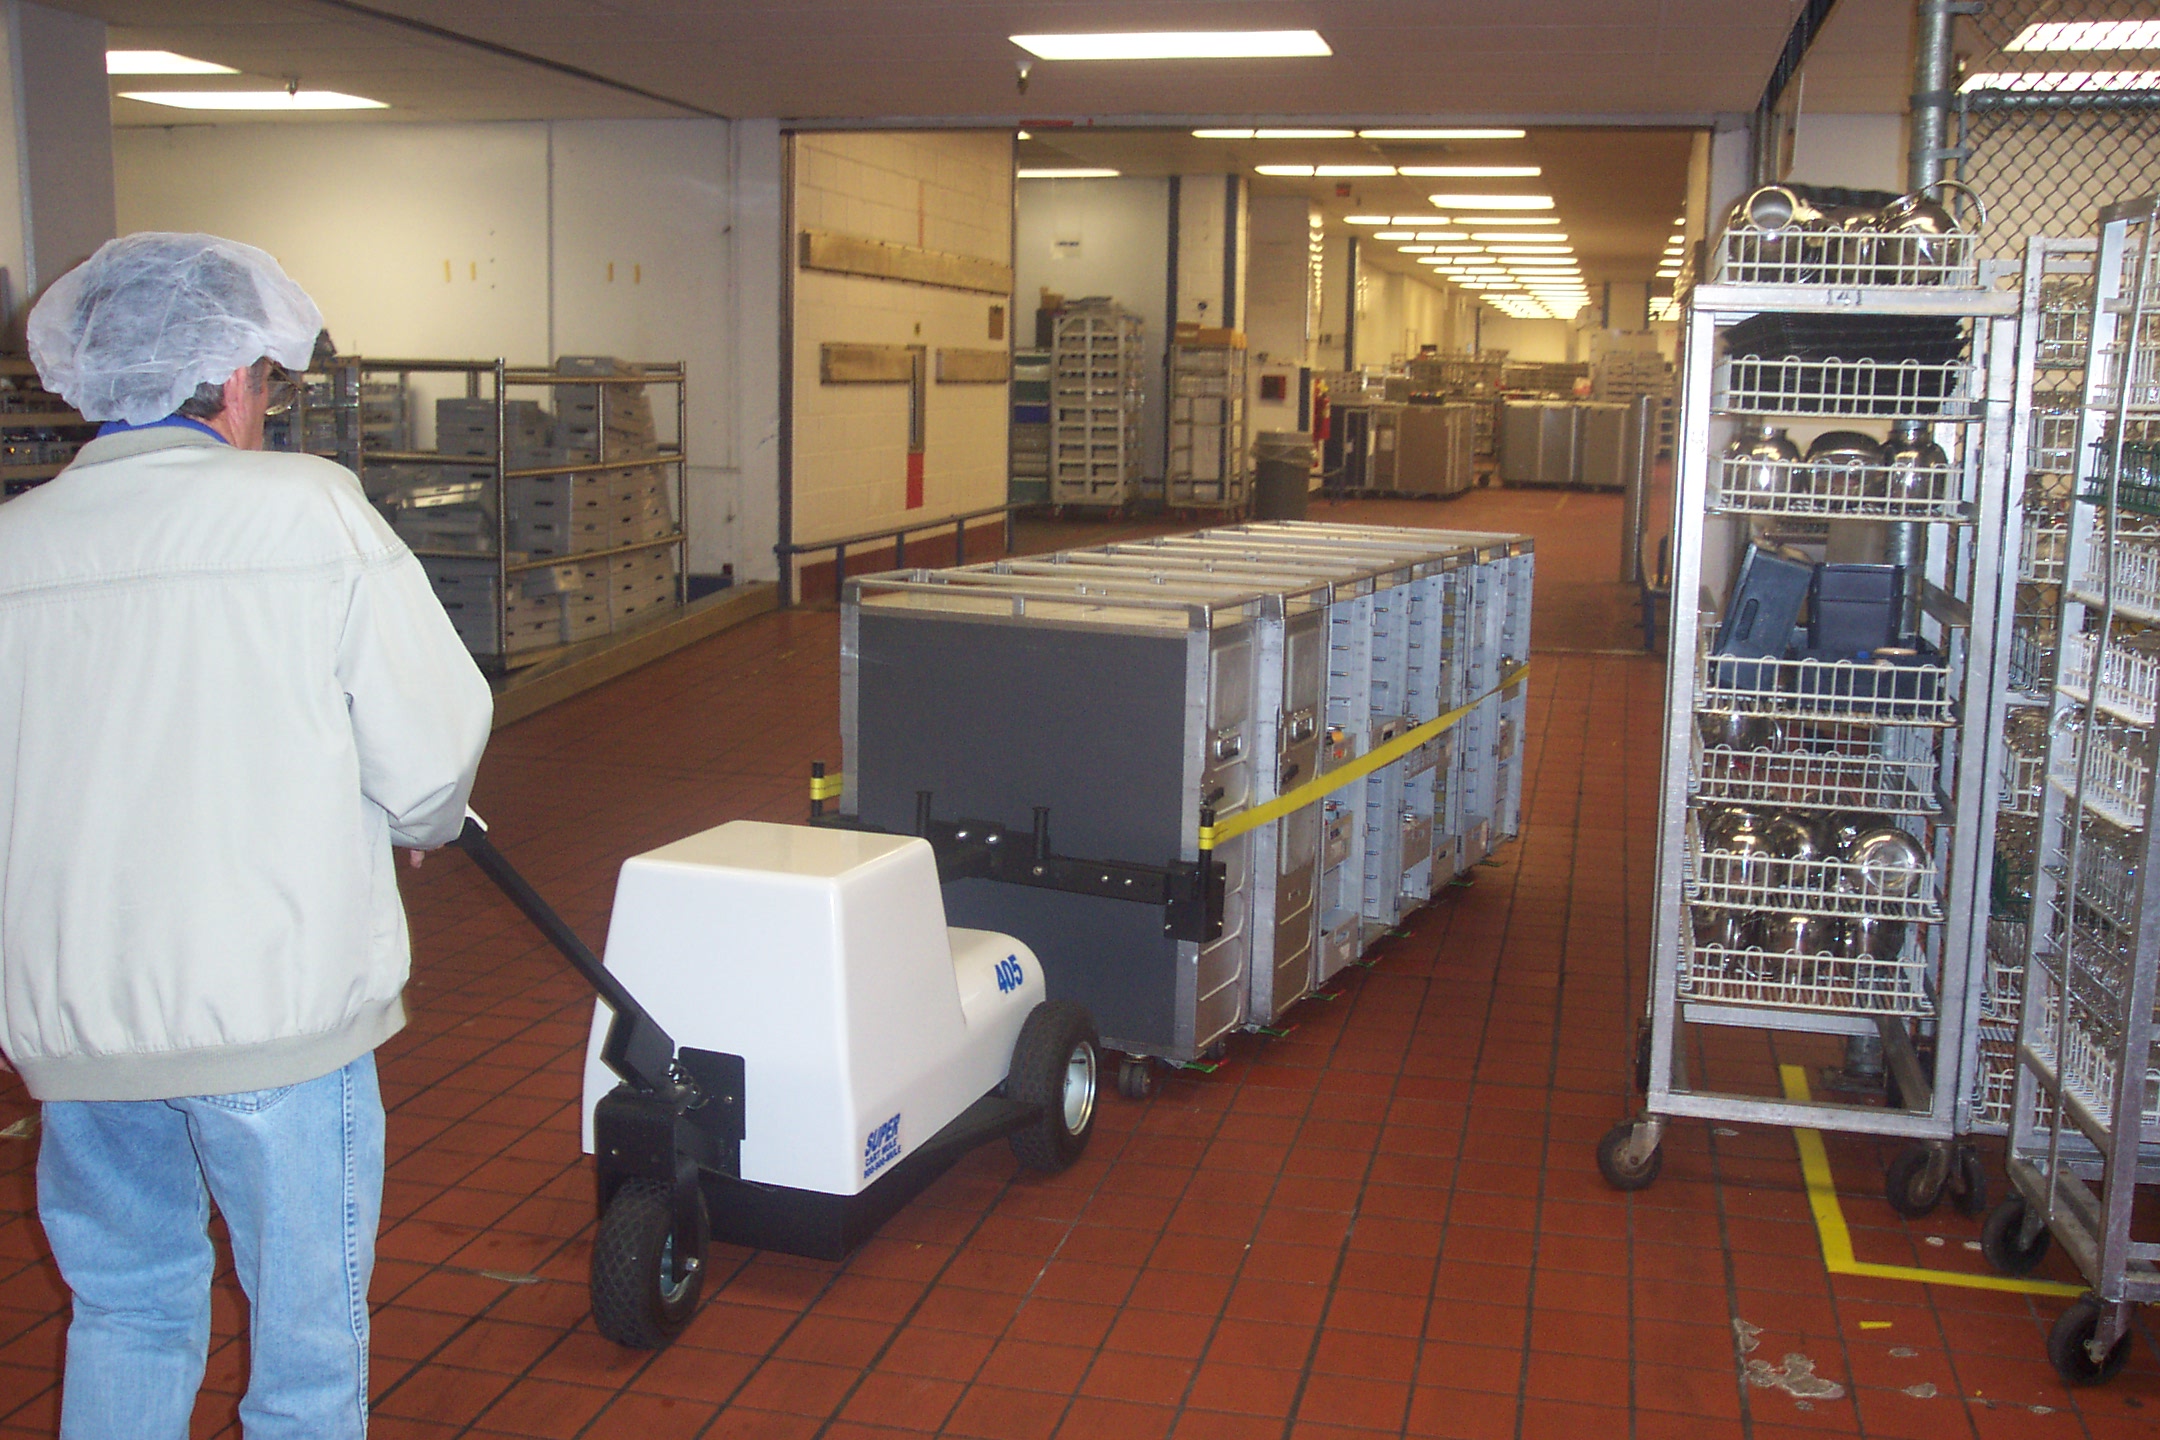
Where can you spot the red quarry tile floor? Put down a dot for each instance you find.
(1385, 1223)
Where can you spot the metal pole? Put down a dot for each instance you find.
(1642, 438)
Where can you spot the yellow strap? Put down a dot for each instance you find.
(826, 787)
(1356, 770)
(1837, 1246)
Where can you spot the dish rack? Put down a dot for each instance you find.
(2084, 1122)
(1902, 738)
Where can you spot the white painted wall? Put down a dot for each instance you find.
(1865, 152)
(478, 241)
(1277, 305)
(1101, 237)
(1546, 340)
(949, 191)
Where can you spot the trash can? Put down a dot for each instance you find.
(1282, 470)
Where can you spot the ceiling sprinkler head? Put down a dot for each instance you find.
(1024, 67)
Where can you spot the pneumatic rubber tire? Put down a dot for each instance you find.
(645, 1278)
(1056, 1066)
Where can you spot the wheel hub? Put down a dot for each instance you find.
(1079, 1092)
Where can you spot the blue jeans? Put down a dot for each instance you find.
(124, 1189)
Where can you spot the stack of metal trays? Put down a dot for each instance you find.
(1128, 687)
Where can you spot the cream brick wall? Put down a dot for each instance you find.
(949, 191)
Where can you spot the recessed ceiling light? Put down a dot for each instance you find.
(1023, 135)
(1069, 172)
(160, 62)
(1366, 220)
(1176, 45)
(1470, 172)
(254, 99)
(1346, 171)
(2060, 81)
(2088, 35)
(1441, 134)
(1491, 202)
(1293, 171)
(1222, 134)
(1542, 237)
(1507, 220)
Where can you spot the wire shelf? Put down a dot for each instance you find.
(2024, 779)
(2137, 577)
(1752, 880)
(1845, 691)
(2129, 679)
(2141, 386)
(2065, 322)
(1995, 1087)
(2053, 446)
(1861, 492)
(2044, 540)
(1806, 779)
(1868, 389)
(2117, 779)
(2032, 659)
(1821, 982)
(2002, 994)
(1844, 258)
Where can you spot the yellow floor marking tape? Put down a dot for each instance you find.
(1830, 1226)
(1356, 770)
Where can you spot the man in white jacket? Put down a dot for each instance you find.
(227, 691)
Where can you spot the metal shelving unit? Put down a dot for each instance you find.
(1207, 426)
(1096, 389)
(1794, 923)
(39, 432)
(2085, 1112)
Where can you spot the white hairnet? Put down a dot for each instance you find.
(129, 333)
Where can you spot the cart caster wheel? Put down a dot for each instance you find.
(1135, 1077)
(1968, 1182)
(645, 1278)
(2067, 1343)
(1999, 1239)
(1054, 1066)
(1619, 1171)
(1911, 1191)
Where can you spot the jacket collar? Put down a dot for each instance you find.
(130, 443)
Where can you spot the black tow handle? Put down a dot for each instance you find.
(636, 1048)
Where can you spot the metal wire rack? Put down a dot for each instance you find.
(2040, 555)
(1824, 770)
(1844, 258)
(2137, 577)
(1844, 691)
(2129, 679)
(1877, 389)
(2116, 777)
(1839, 889)
(1853, 492)
(2024, 776)
(1820, 981)
(2054, 435)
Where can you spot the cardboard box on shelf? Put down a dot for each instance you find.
(1190, 332)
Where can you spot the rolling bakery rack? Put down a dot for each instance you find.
(2085, 1112)
(1827, 809)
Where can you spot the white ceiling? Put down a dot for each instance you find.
(1558, 60)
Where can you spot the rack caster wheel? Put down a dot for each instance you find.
(1916, 1180)
(1622, 1170)
(645, 1277)
(2003, 1242)
(1135, 1078)
(2069, 1346)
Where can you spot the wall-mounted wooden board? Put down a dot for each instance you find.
(884, 260)
(973, 367)
(842, 364)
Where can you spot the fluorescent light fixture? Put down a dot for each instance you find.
(1222, 134)
(1304, 134)
(1470, 172)
(1531, 249)
(1415, 249)
(160, 62)
(2059, 81)
(1507, 220)
(254, 99)
(1676, 240)
(1023, 135)
(1537, 236)
(1347, 171)
(1491, 202)
(1292, 171)
(2089, 35)
(1668, 274)
(1176, 45)
(1070, 172)
(1369, 220)
(1394, 235)
(1440, 134)
(1432, 260)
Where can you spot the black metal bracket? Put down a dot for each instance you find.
(1190, 892)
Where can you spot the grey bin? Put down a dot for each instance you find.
(1282, 475)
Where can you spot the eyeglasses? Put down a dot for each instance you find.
(279, 384)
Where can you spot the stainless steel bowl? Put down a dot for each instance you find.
(1729, 730)
(1890, 864)
(1788, 934)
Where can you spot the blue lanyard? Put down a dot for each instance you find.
(121, 427)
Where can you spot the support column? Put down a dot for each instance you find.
(56, 138)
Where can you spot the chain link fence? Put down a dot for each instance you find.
(2058, 113)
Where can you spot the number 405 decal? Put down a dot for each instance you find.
(1010, 977)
